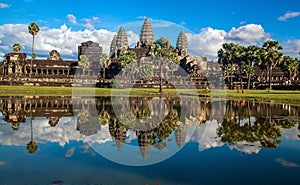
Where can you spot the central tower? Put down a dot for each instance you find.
(146, 36)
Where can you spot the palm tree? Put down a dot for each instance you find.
(226, 57)
(163, 50)
(271, 56)
(33, 29)
(84, 62)
(16, 47)
(252, 57)
(31, 146)
(104, 62)
(290, 66)
(240, 57)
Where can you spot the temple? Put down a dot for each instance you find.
(17, 69)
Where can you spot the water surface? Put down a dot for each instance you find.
(147, 140)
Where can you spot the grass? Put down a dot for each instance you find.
(260, 95)
(274, 96)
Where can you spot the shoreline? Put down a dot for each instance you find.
(284, 96)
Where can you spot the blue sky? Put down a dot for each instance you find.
(266, 19)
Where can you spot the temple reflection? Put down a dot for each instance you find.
(154, 121)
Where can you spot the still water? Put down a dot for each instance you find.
(147, 140)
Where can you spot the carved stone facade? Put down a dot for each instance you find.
(53, 71)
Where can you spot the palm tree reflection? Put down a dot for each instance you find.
(32, 145)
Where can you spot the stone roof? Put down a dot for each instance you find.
(59, 64)
(89, 43)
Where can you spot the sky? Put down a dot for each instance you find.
(208, 24)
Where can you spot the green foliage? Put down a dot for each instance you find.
(33, 29)
(16, 47)
(127, 57)
(33, 55)
(104, 117)
(83, 116)
(163, 49)
(104, 60)
(127, 119)
(147, 71)
(84, 61)
(31, 147)
(290, 66)
(143, 112)
(114, 83)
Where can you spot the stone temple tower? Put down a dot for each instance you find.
(113, 46)
(146, 36)
(90, 49)
(121, 40)
(182, 44)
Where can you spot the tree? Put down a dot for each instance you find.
(104, 62)
(33, 29)
(271, 57)
(253, 56)
(127, 57)
(290, 67)
(84, 62)
(16, 47)
(147, 71)
(31, 146)
(240, 58)
(227, 57)
(162, 50)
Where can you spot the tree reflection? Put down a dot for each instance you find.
(32, 145)
(154, 121)
(263, 130)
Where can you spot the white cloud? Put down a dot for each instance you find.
(206, 135)
(207, 42)
(132, 38)
(210, 40)
(71, 18)
(89, 22)
(161, 24)
(64, 132)
(246, 147)
(63, 39)
(288, 15)
(291, 48)
(3, 5)
(141, 17)
(287, 164)
(250, 34)
(242, 22)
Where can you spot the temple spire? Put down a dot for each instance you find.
(182, 44)
(146, 36)
(113, 46)
(121, 40)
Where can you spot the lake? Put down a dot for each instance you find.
(147, 140)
